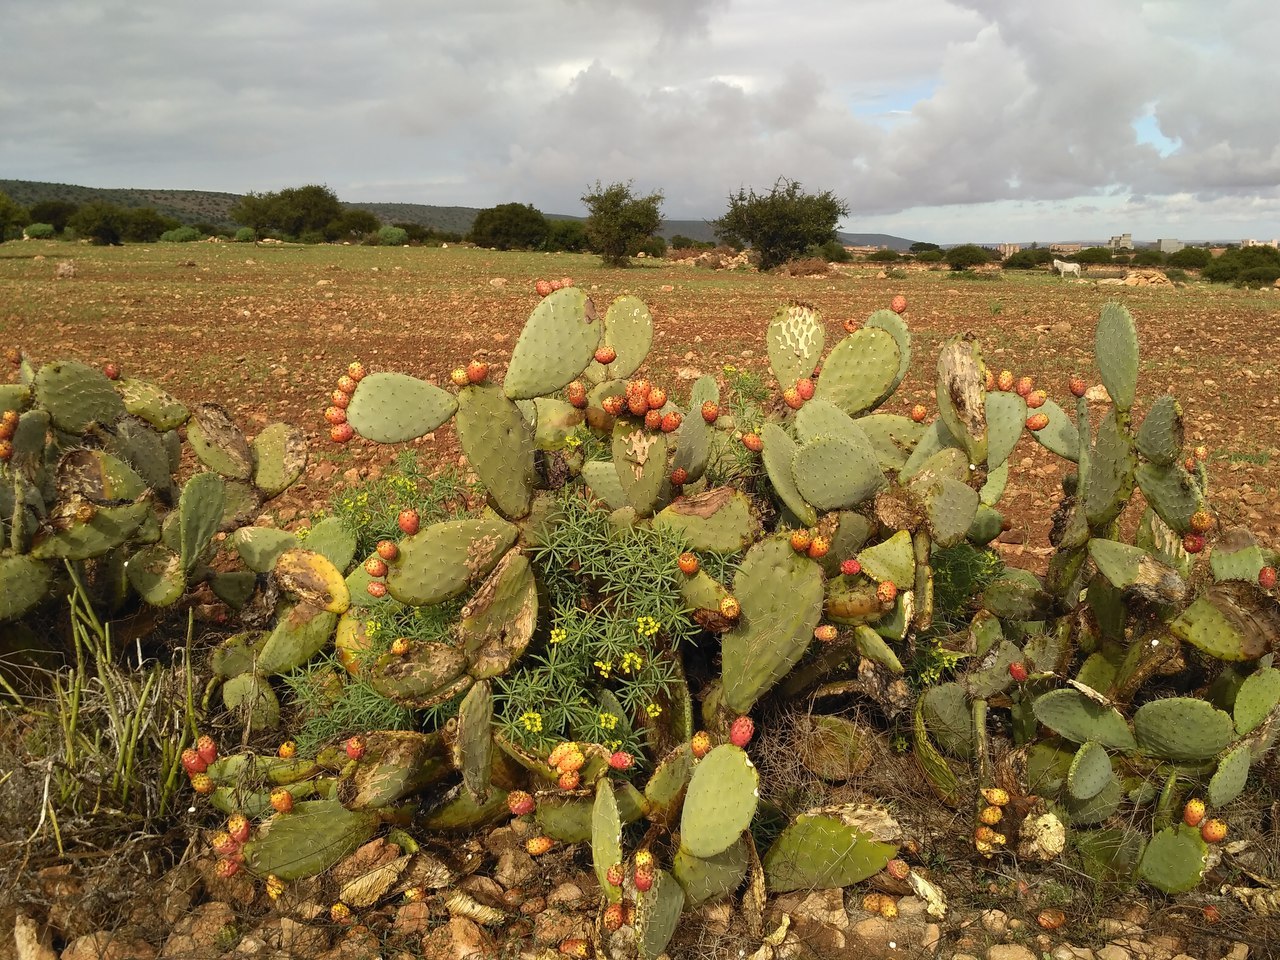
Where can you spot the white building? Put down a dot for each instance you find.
(1169, 246)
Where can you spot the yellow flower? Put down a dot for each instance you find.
(614, 744)
(653, 710)
(646, 626)
(608, 721)
(730, 368)
(630, 661)
(605, 667)
(558, 634)
(531, 721)
(573, 440)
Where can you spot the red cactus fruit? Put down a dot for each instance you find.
(1037, 421)
(570, 780)
(537, 846)
(1213, 831)
(819, 547)
(458, 377)
(111, 370)
(477, 371)
(919, 412)
(671, 422)
(688, 563)
(1024, 386)
(520, 803)
(643, 881)
(741, 731)
(887, 592)
(576, 947)
(223, 844)
(565, 282)
(805, 387)
(376, 589)
(355, 747)
(203, 784)
(1018, 670)
(1202, 453)
(192, 763)
(238, 827)
(613, 405)
(898, 869)
(1005, 380)
(340, 913)
(679, 477)
(791, 397)
(850, 567)
(207, 748)
(341, 432)
(752, 442)
(355, 370)
(388, 550)
(1036, 399)
(13, 355)
(612, 918)
(710, 411)
(825, 633)
(339, 399)
(543, 287)
(1193, 812)
(558, 753)
(401, 646)
(800, 540)
(1201, 521)
(657, 398)
(576, 393)
(346, 384)
(605, 355)
(1079, 386)
(226, 869)
(653, 420)
(375, 567)
(408, 522)
(898, 304)
(638, 406)
(1267, 578)
(621, 760)
(990, 381)
(1193, 543)
(6, 450)
(281, 800)
(700, 745)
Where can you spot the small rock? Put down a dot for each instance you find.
(1113, 951)
(28, 941)
(931, 937)
(1111, 928)
(552, 925)
(108, 945)
(1238, 951)
(994, 921)
(566, 895)
(301, 939)
(412, 919)
(498, 282)
(912, 908)
(1010, 951)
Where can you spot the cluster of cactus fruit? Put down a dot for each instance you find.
(88, 462)
(1084, 702)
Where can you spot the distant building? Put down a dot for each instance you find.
(864, 250)
(1260, 243)
(1065, 247)
(1170, 246)
(1123, 241)
(1007, 250)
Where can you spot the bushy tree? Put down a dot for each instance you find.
(510, 226)
(781, 224)
(38, 231)
(181, 235)
(1094, 255)
(1249, 265)
(13, 217)
(1190, 258)
(921, 246)
(1148, 258)
(565, 236)
(1026, 259)
(967, 255)
(103, 223)
(293, 212)
(352, 224)
(390, 236)
(53, 212)
(145, 225)
(618, 220)
(887, 255)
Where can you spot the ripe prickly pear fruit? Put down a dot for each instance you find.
(340, 913)
(898, 869)
(873, 901)
(401, 646)
(223, 844)
(565, 282)
(710, 411)
(341, 432)
(111, 370)
(887, 592)
(671, 422)
(388, 550)
(238, 827)
(1189, 464)
(207, 748)
(1213, 831)
(850, 567)
(825, 633)
(203, 784)
(700, 745)
(1193, 543)
(898, 304)
(995, 796)
(576, 393)
(752, 442)
(1193, 812)
(741, 731)
(281, 800)
(13, 355)
(1202, 453)
(558, 753)
(1037, 421)
(639, 388)
(621, 760)
(991, 815)
(1267, 578)
(919, 412)
(1018, 670)
(1036, 399)
(346, 384)
(1079, 386)
(800, 540)
(537, 846)
(339, 399)
(6, 450)
(376, 589)
(1201, 521)
(644, 862)
(888, 908)
(805, 388)
(657, 398)
(356, 371)
(570, 780)
(653, 420)
(605, 355)
(287, 750)
(643, 881)
(409, 522)
(819, 547)
(612, 918)
(335, 415)
(275, 887)
(354, 747)
(990, 381)
(477, 371)
(791, 397)
(679, 476)
(192, 763)
(730, 608)
(639, 406)
(613, 405)
(520, 803)
(688, 563)
(1005, 380)
(543, 288)
(576, 947)
(1024, 386)
(226, 869)
(375, 567)
(458, 377)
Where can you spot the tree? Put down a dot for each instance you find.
(1234, 264)
(13, 217)
(1094, 255)
(967, 255)
(565, 236)
(510, 226)
(920, 246)
(1026, 260)
(781, 224)
(291, 212)
(54, 212)
(1190, 258)
(104, 223)
(618, 221)
(352, 224)
(145, 225)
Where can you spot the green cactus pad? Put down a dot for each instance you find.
(1236, 556)
(396, 764)
(1090, 771)
(280, 456)
(1161, 436)
(693, 439)
(142, 448)
(14, 396)
(640, 459)
(987, 525)
(568, 818)
(781, 596)
(431, 673)
(794, 340)
(440, 561)
(157, 574)
(701, 592)
(200, 511)
(602, 477)
(1060, 436)
(1256, 698)
(475, 740)
(237, 654)
(24, 582)
(950, 505)
(299, 634)
(148, 402)
(1078, 718)
(1098, 808)
(458, 812)
(260, 547)
(665, 790)
(498, 442)
(822, 853)
(709, 878)
(834, 474)
(76, 395)
(934, 766)
(1111, 472)
(1116, 352)
(1180, 728)
(606, 838)
(992, 677)
(1229, 621)
(893, 324)
(778, 455)
(993, 487)
(310, 839)
(250, 697)
(859, 370)
(1017, 595)
(498, 622)
(717, 521)
(1175, 859)
(658, 915)
(1131, 568)
(1172, 492)
(1006, 414)
(1229, 779)
(961, 395)
(556, 345)
(892, 437)
(892, 560)
(720, 802)
(109, 528)
(555, 422)
(218, 442)
(395, 408)
(935, 438)
(819, 418)
(945, 712)
(628, 328)
(872, 646)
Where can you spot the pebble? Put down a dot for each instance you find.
(995, 921)
(1113, 951)
(1010, 951)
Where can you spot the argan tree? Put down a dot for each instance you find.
(781, 224)
(618, 220)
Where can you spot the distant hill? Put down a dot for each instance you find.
(204, 206)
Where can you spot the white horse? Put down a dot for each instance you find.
(1063, 267)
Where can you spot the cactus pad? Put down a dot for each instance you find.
(892, 437)
(893, 324)
(1116, 352)
(821, 853)
(498, 622)
(658, 915)
(717, 521)
(24, 582)
(1229, 779)
(498, 442)
(1080, 719)
(395, 765)
(438, 562)
(76, 395)
(1229, 621)
(640, 459)
(1180, 728)
(280, 456)
(556, 345)
(693, 439)
(892, 559)
(859, 370)
(395, 408)
(709, 878)
(606, 838)
(312, 579)
(628, 328)
(795, 339)
(1175, 859)
(834, 474)
(1090, 771)
(251, 697)
(720, 802)
(602, 477)
(299, 634)
(218, 442)
(308, 840)
(1060, 436)
(1256, 698)
(148, 402)
(1161, 436)
(961, 395)
(1006, 415)
(778, 455)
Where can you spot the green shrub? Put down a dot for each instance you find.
(1190, 258)
(967, 255)
(930, 256)
(885, 256)
(510, 226)
(1230, 267)
(653, 246)
(246, 235)
(1259, 276)
(181, 235)
(834, 252)
(1176, 275)
(1094, 255)
(1148, 258)
(38, 231)
(1027, 259)
(393, 236)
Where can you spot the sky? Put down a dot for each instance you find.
(940, 120)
